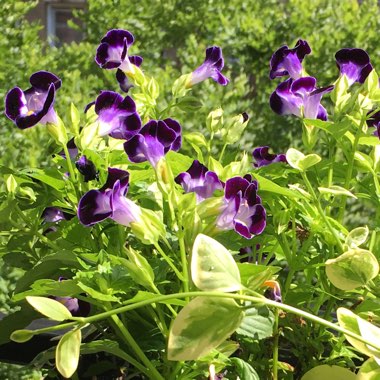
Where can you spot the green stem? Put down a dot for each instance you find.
(184, 262)
(321, 212)
(239, 297)
(169, 261)
(153, 373)
(222, 152)
(342, 207)
(276, 335)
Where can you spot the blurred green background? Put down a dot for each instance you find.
(171, 36)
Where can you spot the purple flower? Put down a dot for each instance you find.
(154, 140)
(287, 61)
(200, 180)
(263, 158)
(242, 210)
(112, 52)
(274, 291)
(86, 168)
(53, 214)
(34, 105)
(354, 63)
(210, 68)
(299, 97)
(124, 83)
(117, 117)
(109, 201)
(77, 307)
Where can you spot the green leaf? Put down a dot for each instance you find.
(336, 129)
(353, 323)
(22, 336)
(213, 267)
(336, 190)
(352, 269)
(329, 372)
(203, 324)
(357, 237)
(67, 353)
(50, 177)
(370, 370)
(371, 83)
(180, 88)
(189, 103)
(214, 120)
(244, 370)
(364, 161)
(268, 185)
(253, 276)
(257, 323)
(49, 308)
(75, 119)
(299, 161)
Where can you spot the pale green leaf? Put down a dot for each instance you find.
(370, 370)
(213, 267)
(352, 269)
(336, 190)
(329, 372)
(357, 237)
(67, 353)
(202, 325)
(49, 308)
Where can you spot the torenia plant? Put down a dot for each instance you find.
(143, 242)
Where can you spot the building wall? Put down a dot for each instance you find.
(53, 16)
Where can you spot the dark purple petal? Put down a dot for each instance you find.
(200, 180)
(287, 61)
(94, 207)
(123, 81)
(53, 214)
(234, 186)
(115, 175)
(124, 211)
(88, 106)
(42, 80)
(210, 68)
(43, 115)
(136, 60)
(117, 116)
(116, 37)
(15, 103)
(258, 220)
(354, 63)
(303, 86)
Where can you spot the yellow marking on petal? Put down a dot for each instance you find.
(30, 112)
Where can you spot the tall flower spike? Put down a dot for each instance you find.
(262, 157)
(287, 61)
(154, 140)
(117, 117)
(112, 52)
(354, 63)
(242, 210)
(300, 98)
(210, 68)
(34, 105)
(109, 202)
(200, 180)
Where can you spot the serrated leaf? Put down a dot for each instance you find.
(67, 353)
(202, 325)
(244, 370)
(213, 267)
(257, 323)
(49, 308)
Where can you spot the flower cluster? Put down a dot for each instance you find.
(299, 95)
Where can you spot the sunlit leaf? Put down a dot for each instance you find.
(202, 325)
(213, 267)
(67, 353)
(329, 372)
(50, 308)
(352, 269)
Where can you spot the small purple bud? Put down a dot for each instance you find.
(86, 168)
